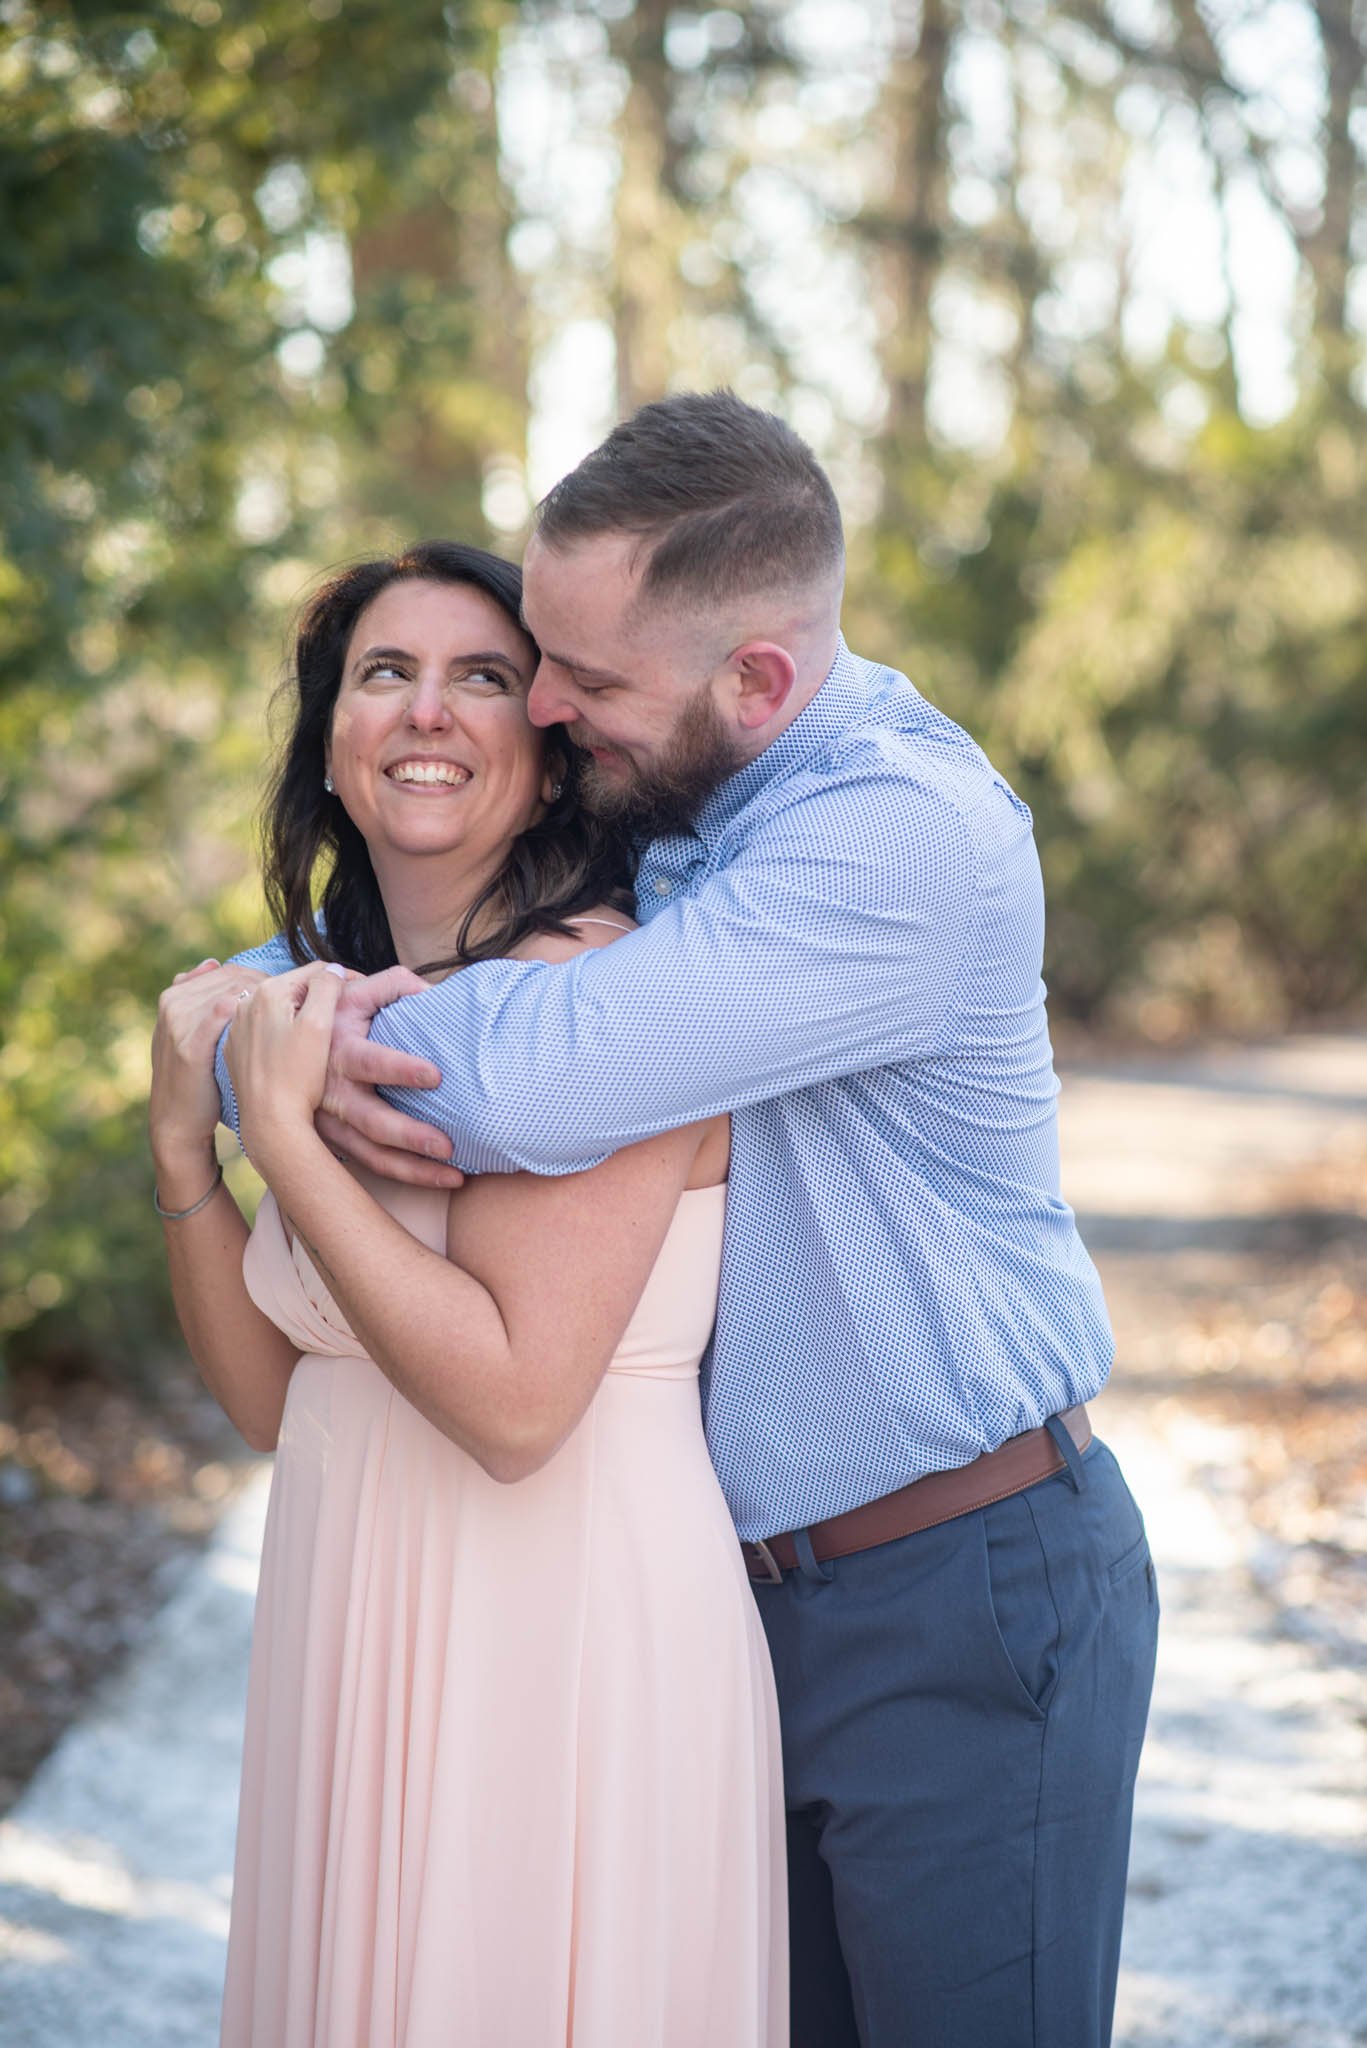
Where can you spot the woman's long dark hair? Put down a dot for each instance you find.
(559, 867)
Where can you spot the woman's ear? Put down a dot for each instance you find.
(553, 776)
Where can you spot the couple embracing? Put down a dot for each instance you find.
(698, 961)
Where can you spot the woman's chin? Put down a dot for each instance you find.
(425, 840)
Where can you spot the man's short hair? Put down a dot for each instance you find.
(728, 500)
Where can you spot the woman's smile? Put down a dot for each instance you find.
(425, 775)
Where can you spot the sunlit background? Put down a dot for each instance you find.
(1069, 294)
(1071, 297)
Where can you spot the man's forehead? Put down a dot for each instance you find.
(623, 554)
(589, 585)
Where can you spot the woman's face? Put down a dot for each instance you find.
(431, 749)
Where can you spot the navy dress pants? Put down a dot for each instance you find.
(962, 1713)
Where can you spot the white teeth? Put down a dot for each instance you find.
(442, 772)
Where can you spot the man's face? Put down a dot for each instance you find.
(638, 689)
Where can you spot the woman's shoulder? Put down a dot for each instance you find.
(588, 929)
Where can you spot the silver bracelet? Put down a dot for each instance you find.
(179, 1215)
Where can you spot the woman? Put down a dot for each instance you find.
(511, 1758)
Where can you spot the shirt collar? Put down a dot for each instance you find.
(842, 698)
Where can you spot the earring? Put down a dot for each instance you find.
(329, 785)
(557, 791)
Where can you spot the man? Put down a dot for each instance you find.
(842, 924)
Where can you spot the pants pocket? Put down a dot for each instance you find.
(1024, 1620)
(1133, 1560)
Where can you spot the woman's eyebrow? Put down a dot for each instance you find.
(383, 653)
(479, 655)
(494, 654)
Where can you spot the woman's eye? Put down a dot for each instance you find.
(381, 671)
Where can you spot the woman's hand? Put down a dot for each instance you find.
(278, 1057)
(352, 1118)
(183, 1109)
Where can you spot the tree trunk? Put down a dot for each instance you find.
(649, 222)
(1327, 248)
(915, 101)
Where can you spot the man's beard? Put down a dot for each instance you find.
(665, 796)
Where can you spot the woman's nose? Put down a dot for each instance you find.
(429, 707)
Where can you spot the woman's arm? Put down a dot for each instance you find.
(243, 1359)
(502, 1351)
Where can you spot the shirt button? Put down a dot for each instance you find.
(663, 885)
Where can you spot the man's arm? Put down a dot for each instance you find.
(807, 958)
(420, 1150)
(272, 958)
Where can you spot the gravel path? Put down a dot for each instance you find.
(1247, 1917)
(1249, 1876)
(116, 1866)
(1248, 1879)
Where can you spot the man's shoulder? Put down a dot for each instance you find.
(273, 957)
(900, 741)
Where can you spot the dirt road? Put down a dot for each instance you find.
(1221, 1196)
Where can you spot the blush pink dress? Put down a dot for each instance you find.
(511, 1776)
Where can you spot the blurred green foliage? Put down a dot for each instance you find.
(1151, 610)
(230, 232)
(1167, 658)
(257, 316)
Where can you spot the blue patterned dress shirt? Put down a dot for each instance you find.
(845, 954)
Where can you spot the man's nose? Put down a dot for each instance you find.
(547, 703)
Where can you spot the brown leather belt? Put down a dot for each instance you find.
(1020, 1462)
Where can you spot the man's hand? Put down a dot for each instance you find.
(351, 1117)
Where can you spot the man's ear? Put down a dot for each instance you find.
(765, 674)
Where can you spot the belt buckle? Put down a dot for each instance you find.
(771, 1576)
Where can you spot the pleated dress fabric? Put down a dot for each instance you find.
(511, 1772)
